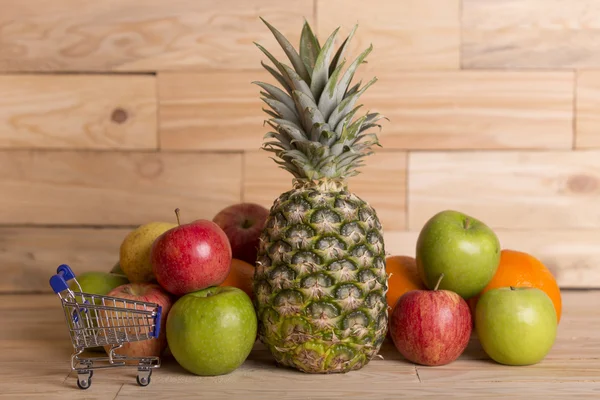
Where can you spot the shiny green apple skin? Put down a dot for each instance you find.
(461, 247)
(516, 326)
(97, 282)
(212, 331)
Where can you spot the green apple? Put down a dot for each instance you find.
(462, 248)
(134, 253)
(97, 283)
(516, 326)
(212, 331)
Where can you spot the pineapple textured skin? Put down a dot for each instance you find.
(320, 281)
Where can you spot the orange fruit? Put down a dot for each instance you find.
(240, 276)
(521, 269)
(404, 278)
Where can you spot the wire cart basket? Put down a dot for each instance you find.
(95, 320)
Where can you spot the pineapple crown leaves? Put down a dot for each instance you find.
(314, 134)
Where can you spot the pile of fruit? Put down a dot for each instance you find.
(310, 277)
(461, 279)
(208, 320)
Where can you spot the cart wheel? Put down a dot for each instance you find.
(84, 383)
(143, 380)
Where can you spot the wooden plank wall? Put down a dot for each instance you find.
(113, 113)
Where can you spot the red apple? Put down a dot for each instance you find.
(147, 292)
(191, 257)
(431, 327)
(243, 224)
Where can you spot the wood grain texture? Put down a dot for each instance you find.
(30, 255)
(530, 34)
(126, 35)
(474, 109)
(78, 111)
(587, 134)
(211, 111)
(30, 352)
(408, 34)
(48, 383)
(514, 190)
(382, 183)
(114, 188)
(408, 391)
(573, 255)
(554, 370)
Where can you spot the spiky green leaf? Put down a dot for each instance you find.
(271, 113)
(321, 71)
(278, 76)
(281, 140)
(283, 110)
(309, 47)
(316, 130)
(265, 94)
(290, 52)
(347, 105)
(353, 89)
(288, 128)
(297, 83)
(270, 56)
(350, 132)
(327, 137)
(327, 102)
(339, 55)
(347, 119)
(308, 110)
(340, 90)
(277, 94)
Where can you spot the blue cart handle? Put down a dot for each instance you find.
(58, 282)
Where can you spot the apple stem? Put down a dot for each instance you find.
(438, 282)
(467, 223)
(177, 215)
(512, 288)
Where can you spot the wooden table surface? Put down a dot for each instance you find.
(35, 350)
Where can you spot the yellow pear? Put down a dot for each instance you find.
(134, 254)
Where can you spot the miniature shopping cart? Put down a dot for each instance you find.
(95, 320)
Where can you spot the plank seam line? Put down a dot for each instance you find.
(574, 111)
(417, 372)
(67, 377)
(67, 226)
(90, 72)
(118, 391)
(157, 103)
(315, 16)
(461, 65)
(407, 192)
(243, 178)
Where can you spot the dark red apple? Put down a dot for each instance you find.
(191, 257)
(243, 224)
(431, 327)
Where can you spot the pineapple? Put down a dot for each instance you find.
(320, 279)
